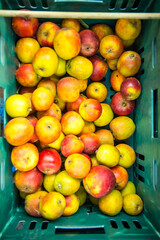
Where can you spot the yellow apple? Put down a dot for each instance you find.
(105, 117)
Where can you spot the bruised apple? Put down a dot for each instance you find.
(25, 26)
(25, 157)
(77, 165)
(49, 161)
(90, 141)
(67, 43)
(18, 131)
(68, 89)
(32, 203)
(111, 47)
(48, 129)
(46, 33)
(122, 127)
(90, 109)
(100, 68)
(100, 181)
(29, 181)
(71, 144)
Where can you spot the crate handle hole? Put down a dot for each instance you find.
(89, 230)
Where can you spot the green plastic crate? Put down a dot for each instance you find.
(89, 222)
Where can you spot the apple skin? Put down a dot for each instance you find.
(90, 141)
(116, 80)
(90, 109)
(46, 33)
(23, 90)
(26, 76)
(121, 106)
(25, 27)
(100, 181)
(29, 181)
(102, 30)
(49, 161)
(71, 144)
(48, 84)
(74, 106)
(130, 88)
(89, 43)
(100, 68)
(121, 176)
(53, 111)
(97, 90)
(33, 121)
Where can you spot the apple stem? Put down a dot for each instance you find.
(85, 25)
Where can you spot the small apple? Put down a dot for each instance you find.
(57, 144)
(112, 64)
(71, 23)
(100, 68)
(72, 205)
(89, 43)
(102, 30)
(120, 105)
(46, 33)
(130, 88)
(88, 127)
(49, 161)
(105, 136)
(127, 155)
(116, 80)
(25, 26)
(132, 204)
(53, 111)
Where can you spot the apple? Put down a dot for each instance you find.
(26, 75)
(127, 155)
(129, 63)
(77, 165)
(72, 123)
(100, 181)
(25, 26)
(94, 160)
(53, 111)
(48, 182)
(90, 141)
(100, 68)
(120, 105)
(42, 99)
(49, 161)
(67, 43)
(121, 176)
(29, 181)
(61, 68)
(82, 84)
(32, 203)
(88, 127)
(23, 90)
(72, 205)
(25, 157)
(106, 116)
(26, 48)
(108, 155)
(61, 104)
(89, 43)
(87, 156)
(130, 88)
(45, 62)
(116, 80)
(18, 131)
(68, 89)
(97, 90)
(122, 127)
(46, 33)
(52, 205)
(127, 43)
(33, 121)
(71, 144)
(57, 144)
(29, 97)
(132, 204)
(82, 195)
(90, 109)
(48, 84)
(17, 105)
(129, 188)
(102, 30)
(128, 29)
(74, 106)
(105, 136)
(111, 47)
(112, 64)
(71, 23)
(48, 129)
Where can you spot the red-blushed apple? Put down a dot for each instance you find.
(87, 156)
(102, 30)
(120, 105)
(100, 181)
(23, 90)
(130, 88)
(129, 63)
(26, 75)
(33, 121)
(74, 106)
(100, 68)
(77, 165)
(46, 33)
(90, 109)
(71, 23)
(105, 136)
(29, 181)
(91, 142)
(89, 43)
(71, 144)
(121, 176)
(25, 26)
(49, 161)
(72, 205)
(53, 111)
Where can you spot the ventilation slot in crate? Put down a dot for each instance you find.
(20, 225)
(140, 156)
(32, 225)
(44, 225)
(113, 224)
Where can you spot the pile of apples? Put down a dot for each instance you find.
(62, 131)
